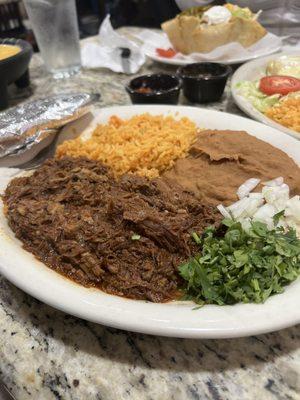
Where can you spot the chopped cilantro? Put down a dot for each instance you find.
(196, 238)
(239, 266)
(277, 217)
(135, 236)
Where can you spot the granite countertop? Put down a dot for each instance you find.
(46, 354)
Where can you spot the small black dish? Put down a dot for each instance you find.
(154, 89)
(14, 69)
(204, 82)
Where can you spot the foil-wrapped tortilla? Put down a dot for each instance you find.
(28, 124)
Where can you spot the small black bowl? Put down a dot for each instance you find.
(154, 89)
(204, 82)
(14, 69)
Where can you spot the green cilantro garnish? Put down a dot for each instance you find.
(135, 236)
(196, 238)
(239, 266)
(277, 217)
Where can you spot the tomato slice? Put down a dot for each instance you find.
(279, 84)
(167, 53)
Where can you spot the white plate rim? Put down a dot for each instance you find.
(241, 74)
(231, 61)
(174, 320)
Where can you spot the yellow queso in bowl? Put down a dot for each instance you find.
(8, 50)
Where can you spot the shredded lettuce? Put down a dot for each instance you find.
(250, 90)
(197, 11)
(284, 65)
(239, 12)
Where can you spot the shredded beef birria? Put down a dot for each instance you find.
(126, 237)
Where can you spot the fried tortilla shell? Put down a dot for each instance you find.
(188, 35)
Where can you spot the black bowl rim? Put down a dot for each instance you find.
(225, 74)
(25, 48)
(158, 93)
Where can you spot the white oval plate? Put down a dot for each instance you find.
(229, 61)
(150, 51)
(170, 319)
(252, 71)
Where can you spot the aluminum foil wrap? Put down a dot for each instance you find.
(28, 124)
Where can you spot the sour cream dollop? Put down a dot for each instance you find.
(216, 15)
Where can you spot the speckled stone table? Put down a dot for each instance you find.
(46, 354)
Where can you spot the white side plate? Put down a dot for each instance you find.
(253, 71)
(150, 51)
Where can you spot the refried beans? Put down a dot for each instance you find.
(221, 160)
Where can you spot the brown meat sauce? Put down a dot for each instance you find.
(77, 219)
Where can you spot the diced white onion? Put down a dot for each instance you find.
(265, 214)
(274, 182)
(292, 209)
(255, 203)
(223, 211)
(237, 208)
(247, 187)
(256, 195)
(274, 197)
(246, 224)
(245, 207)
(277, 195)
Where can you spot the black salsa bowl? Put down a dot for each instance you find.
(14, 68)
(154, 89)
(204, 82)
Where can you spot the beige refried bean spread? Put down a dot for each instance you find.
(220, 161)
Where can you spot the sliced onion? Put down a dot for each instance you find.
(223, 211)
(247, 187)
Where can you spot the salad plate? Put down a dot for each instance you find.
(248, 99)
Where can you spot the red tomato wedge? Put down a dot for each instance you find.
(167, 53)
(278, 84)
